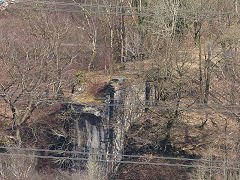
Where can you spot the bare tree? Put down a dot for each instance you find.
(35, 67)
(17, 167)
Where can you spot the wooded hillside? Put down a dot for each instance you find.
(186, 53)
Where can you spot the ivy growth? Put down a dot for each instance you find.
(80, 77)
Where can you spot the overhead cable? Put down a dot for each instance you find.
(3, 95)
(108, 104)
(126, 14)
(122, 162)
(128, 7)
(117, 155)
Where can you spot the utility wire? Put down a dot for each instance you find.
(117, 155)
(197, 109)
(129, 8)
(135, 14)
(63, 3)
(126, 14)
(232, 111)
(157, 102)
(123, 162)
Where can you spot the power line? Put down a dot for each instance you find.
(157, 102)
(117, 155)
(129, 8)
(123, 162)
(231, 106)
(232, 111)
(138, 14)
(107, 104)
(126, 14)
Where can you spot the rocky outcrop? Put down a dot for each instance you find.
(100, 127)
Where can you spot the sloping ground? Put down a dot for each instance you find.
(144, 139)
(154, 172)
(208, 132)
(217, 140)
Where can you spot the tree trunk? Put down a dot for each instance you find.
(122, 36)
(207, 83)
(208, 74)
(18, 136)
(140, 29)
(173, 117)
(197, 27)
(21, 119)
(90, 65)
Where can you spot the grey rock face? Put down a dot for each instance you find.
(100, 128)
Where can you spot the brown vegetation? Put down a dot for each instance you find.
(189, 61)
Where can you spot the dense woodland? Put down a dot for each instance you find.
(187, 49)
